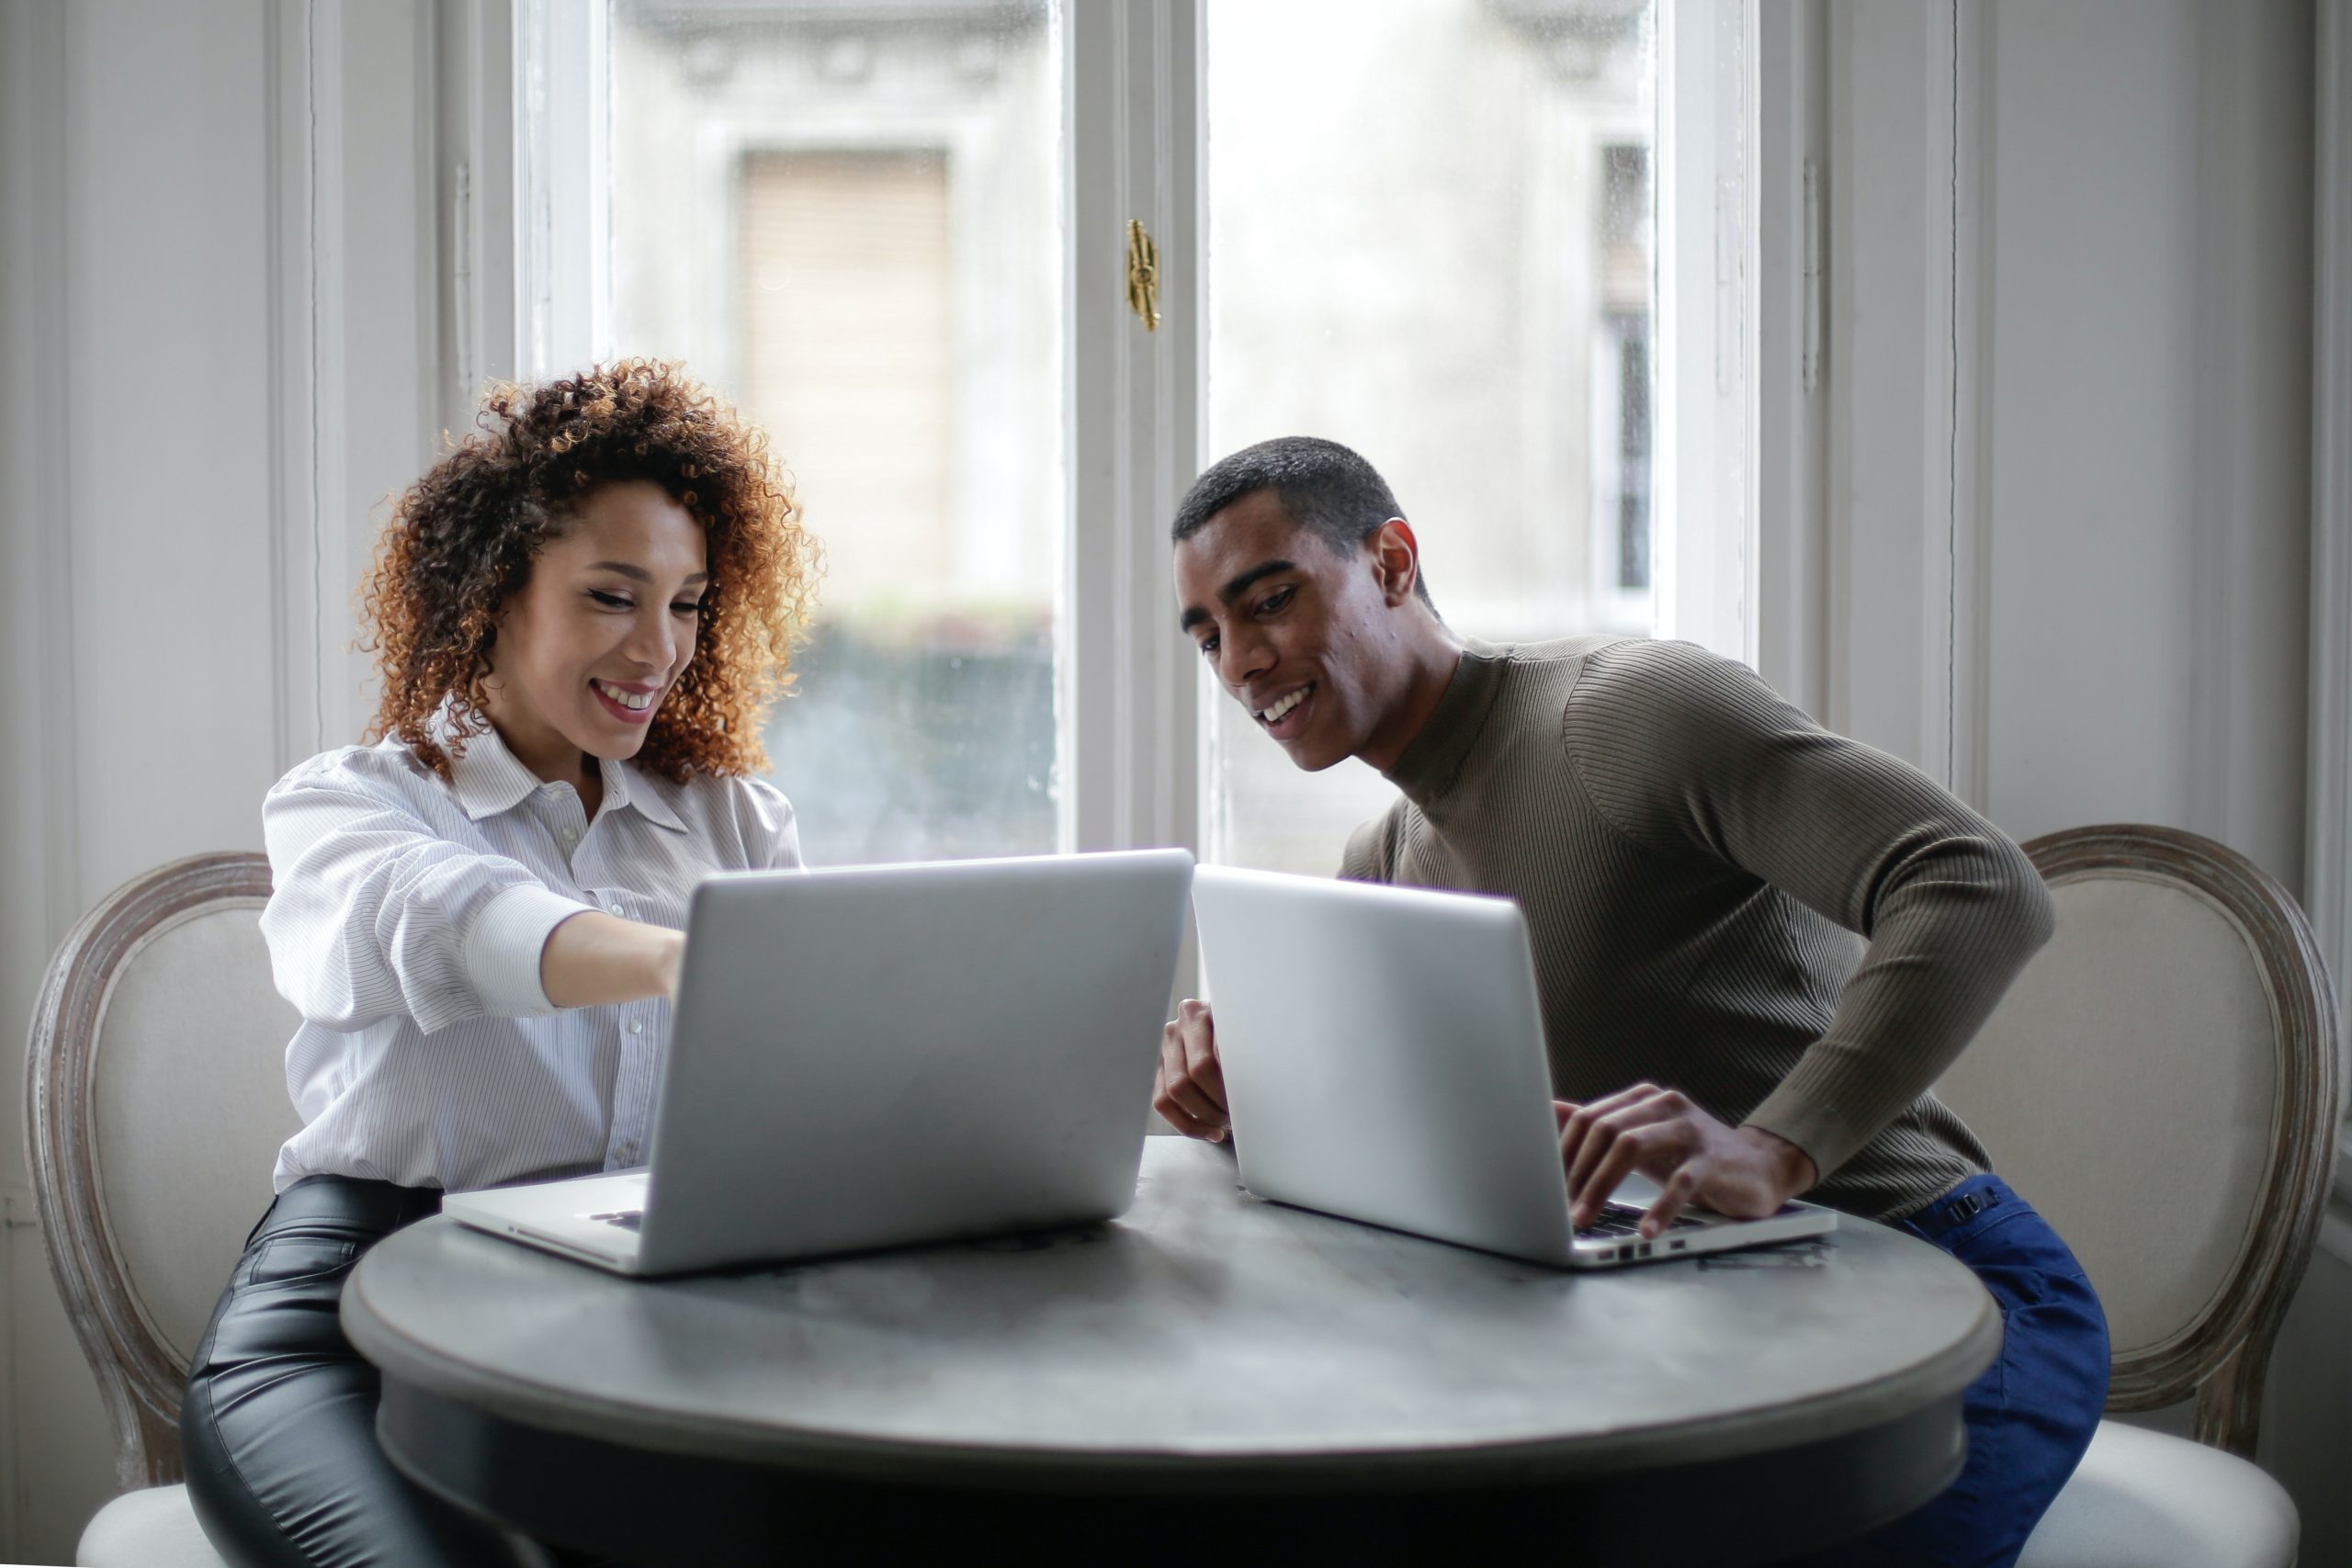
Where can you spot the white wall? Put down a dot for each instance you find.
(2146, 418)
(2069, 506)
(2118, 535)
(2145, 427)
(2068, 501)
(136, 554)
(176, 618)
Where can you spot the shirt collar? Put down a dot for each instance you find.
(1427, 766)
(624, 786)
(488, 779)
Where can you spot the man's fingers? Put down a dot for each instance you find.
(1201, 1065)
(1634, 1146)
(1600, 1145)
(1177, 1088)
(1185, 1121)
(1578, 1121)
(1632, 1094)
(1675, 1197)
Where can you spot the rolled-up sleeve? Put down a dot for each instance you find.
(376, 915)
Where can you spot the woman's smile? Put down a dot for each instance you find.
(630, 702)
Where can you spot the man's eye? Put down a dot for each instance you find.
(1208, 646)
(611, 600)
(1275, 600)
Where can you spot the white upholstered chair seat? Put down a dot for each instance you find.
(151, 1527)
(2144, 1500)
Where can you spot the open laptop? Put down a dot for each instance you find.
(870, 1057)
(1383, 1050)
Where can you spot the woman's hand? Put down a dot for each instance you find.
(669, 960)
(1743, 1172)
(594, 958)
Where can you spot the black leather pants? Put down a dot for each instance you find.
(279, 1426)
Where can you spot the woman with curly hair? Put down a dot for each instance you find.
(579, 617)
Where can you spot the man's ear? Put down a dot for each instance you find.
(1397, 557)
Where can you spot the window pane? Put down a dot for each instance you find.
(1430, 238)
(847, 218)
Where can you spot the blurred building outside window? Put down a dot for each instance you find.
(848, 219)
(1428, 234)
(1435, 246)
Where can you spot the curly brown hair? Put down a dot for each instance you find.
(462, 538)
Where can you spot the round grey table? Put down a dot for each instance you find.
(1210, 1373)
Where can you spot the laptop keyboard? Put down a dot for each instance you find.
(627, 1219)
(1623, 1219)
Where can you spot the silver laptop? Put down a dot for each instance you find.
(1383, 1050)
(883, 1056)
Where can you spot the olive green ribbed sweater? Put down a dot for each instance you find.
(1693, 855)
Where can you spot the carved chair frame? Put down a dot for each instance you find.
(2221, 1356)
(140, 1376)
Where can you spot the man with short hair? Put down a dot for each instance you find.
(1694, 857)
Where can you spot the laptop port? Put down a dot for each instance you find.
(1642, 1251)
(1676, 1247)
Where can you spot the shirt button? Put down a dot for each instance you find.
(570, 834)
(637, 1027)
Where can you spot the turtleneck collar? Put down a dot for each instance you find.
(1431, 759)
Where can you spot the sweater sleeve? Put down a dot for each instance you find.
(1690, 754)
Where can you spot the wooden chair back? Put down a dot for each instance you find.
(2162, 1083)
(156, 1103)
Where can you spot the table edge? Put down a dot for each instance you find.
(532, 1403)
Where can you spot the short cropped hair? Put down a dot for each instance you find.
(1323, 486)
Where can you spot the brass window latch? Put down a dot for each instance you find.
(1143, 276)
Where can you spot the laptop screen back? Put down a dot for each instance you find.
(1383, 1055)
(883, 1055)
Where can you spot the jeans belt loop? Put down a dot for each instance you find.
(1966, 1207)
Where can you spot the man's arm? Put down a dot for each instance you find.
(1690, 754)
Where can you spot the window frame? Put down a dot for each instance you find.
(530, 206)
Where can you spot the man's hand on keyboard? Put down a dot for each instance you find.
(1743, 1172)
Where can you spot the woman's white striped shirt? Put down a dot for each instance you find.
(407, 924)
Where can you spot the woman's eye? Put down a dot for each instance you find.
(687, 609)
(610, 600)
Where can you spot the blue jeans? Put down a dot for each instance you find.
(2030, 1415)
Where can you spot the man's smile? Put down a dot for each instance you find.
(1286, 716)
